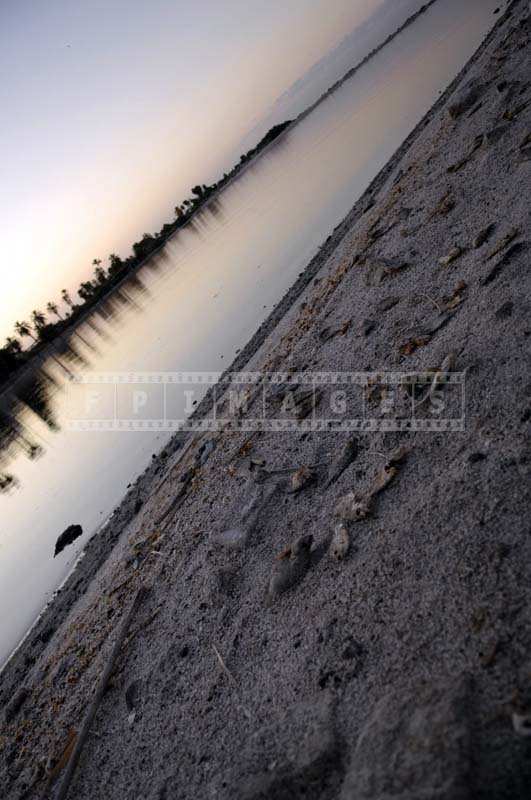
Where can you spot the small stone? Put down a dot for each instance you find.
(68, 536)
(131, 718)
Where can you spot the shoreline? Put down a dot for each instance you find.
(415, 618)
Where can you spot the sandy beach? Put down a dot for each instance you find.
(397, 661)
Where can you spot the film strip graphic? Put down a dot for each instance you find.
(256, 401)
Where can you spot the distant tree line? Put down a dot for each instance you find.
(43, 327)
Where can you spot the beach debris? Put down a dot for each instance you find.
(340, 543)
(357, 505)
(68, 536)
(444, 206)
(466, 98)
(290, 567)
(457, 296)
(502, 243)
(484, 235)
(516, 249)
(348, 454)
(303, 477)
(100, 690)
(454, 254)
(353, 507)
(437, 377)
(522, 724)
(413, 343)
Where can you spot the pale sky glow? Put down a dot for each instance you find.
(113, 109)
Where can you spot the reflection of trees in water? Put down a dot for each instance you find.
(34, 389)
(33, 392)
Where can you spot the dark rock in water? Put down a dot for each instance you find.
(68, 536)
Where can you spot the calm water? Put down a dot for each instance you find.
(204, 295)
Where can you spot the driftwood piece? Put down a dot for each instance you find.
(100, 689)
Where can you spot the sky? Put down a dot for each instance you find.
(113, 109)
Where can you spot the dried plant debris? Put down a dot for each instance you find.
(453, 255)
(483, 236)
(340, 543)
(502, 243)
(348, 454)
(356, 506)
(444, 206)
(413, 343)
(417, 389)
(457, 296)
(290, 567)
